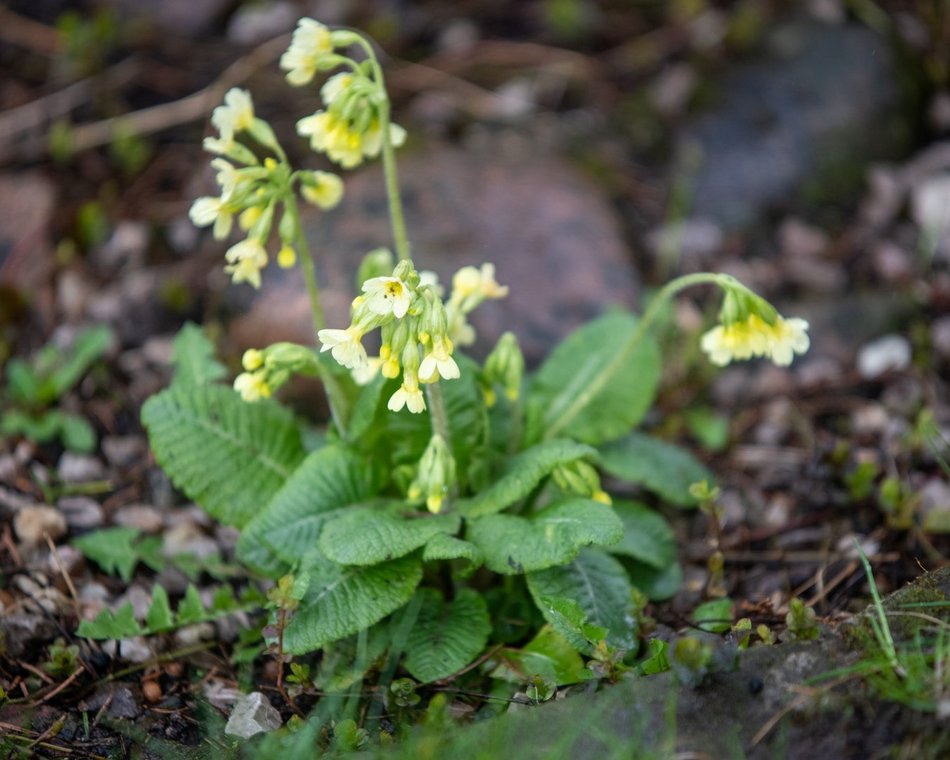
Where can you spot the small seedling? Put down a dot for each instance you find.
(33, 389)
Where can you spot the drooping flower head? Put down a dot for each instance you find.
(310, 45)
(751, 327)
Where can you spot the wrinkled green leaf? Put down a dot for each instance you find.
(328, 483)
(662, 467)
(563, 389)
(228, 455)
(343, 600)
(548, 655)
(656, 584)
(362, 536)
(159, 615)
(112, 549)
(522, 475)
(552, 536)
(599, 585)
(194, 359)
(446, 636)
(108, 625)
(443, 546)
(647, 536)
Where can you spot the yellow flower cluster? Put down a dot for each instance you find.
(754, 337)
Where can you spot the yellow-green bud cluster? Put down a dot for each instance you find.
(581, 479)
(505, 367)
(435, 478)
(414, 333)
(351, 126)
(253, 189)
(267, 370)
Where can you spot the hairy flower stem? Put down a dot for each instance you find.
(334, 392)
(561, 418)
(436, 402)
(396, 217)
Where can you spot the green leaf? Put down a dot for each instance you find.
(599, 585)
(340, 666)
(365, 536)
(76, 433)
(111, 625)
(445, 547)
(325, 485)
(647, 536)
(656, 584)
(708, 427)
(522, 476)
(343, 600)
(563, 389)
(22, 382)
(112, 549)
(190, 609)
(194, 359)
(657, 661)
(365, 409)
(89, 345)
(159, 615)
(446, 637)
(552, 536)
(548, 655)
(662, 467)
(570, 620)
(228, 455)
(714, 616)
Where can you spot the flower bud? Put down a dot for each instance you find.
(436, 476)
(505, 366)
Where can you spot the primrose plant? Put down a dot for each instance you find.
(449, 506)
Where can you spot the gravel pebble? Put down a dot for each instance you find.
(142, 516)
(81, 512)
(890, 353)
(80, 468)
(32, 522)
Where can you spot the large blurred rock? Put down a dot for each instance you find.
(548, 229)
(802, 120)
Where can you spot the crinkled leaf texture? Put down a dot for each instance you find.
(664, 468)
(522, 475)
(563, 385)
(444, 546)
(193, 357)
(228, 455)
(447, 636)
(364, 536)
(327, 483)
(548, 655)
(552, 536)
(343, 600)
(599, 586)
(647, 536)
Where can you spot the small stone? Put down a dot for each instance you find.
(152, 692)
(134, 650)
(892, 262)
(940, 336)
(139, 598)
(254, 23)
(121, 700)
(252, 715)
(187, 538)
(141, 516)
(80, 468)
(32, 523)
(929, 203)
(869, 419)
(796, 238)
(123, 450)
(69, 557)
(21, 630)
(887, 354)
(125, 248)
(81, 512)
(190, 635)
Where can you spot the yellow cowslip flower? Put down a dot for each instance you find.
(387, 295)
(245, 261)
(439, 362)
(249, 217)
(286, 257)
(207, 211)
(332, 135)
(408, 395)
(753, 336)
(311, 42)
(336, 86)
(322, 189)
(365, 374)
(236, 115)
(252, 385)
(345, 346)
(252, 359)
